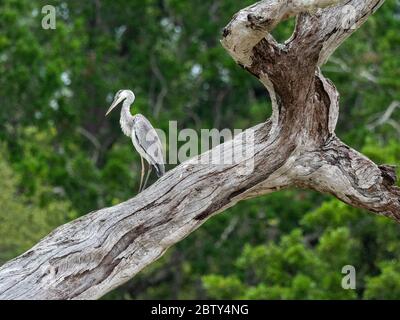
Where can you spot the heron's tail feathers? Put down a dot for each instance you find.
(160, 170)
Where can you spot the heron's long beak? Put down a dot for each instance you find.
(114, 104)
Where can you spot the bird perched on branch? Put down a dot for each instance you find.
(143, 135)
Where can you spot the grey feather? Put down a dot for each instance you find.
(148, 143)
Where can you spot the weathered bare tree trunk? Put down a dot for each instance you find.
(297, 146)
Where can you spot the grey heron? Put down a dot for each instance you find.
(143, 135)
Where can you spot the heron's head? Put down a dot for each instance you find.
(120, 96)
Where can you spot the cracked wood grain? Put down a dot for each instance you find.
(297, 146)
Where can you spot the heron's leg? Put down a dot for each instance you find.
(147, 177)
(142, 174)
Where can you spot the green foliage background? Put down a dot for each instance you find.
(60, 158)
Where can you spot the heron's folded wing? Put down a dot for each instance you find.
(148, 141)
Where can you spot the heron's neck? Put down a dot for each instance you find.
(126, 120)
